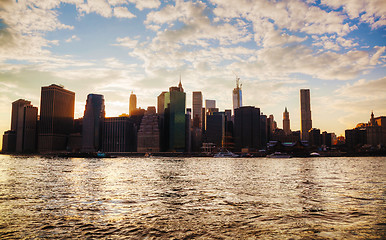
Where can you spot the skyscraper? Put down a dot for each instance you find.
(161, 103)
(286, 122)
(22, 136)
(237, 95)
(210, 103)
(94, 115)
(197, 106)
(132, 103)
(305, 113)
(247, 128)
(149, 134)
(175, 118)
(56, 118)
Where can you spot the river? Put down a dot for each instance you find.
(193, 198)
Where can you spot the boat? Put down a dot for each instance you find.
(226, 154)
(314, 154)
(279, 155)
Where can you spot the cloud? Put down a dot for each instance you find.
(123, 12)
(141, 4)
(372, 12)
(72, 38)
(126, 42)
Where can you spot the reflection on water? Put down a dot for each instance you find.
(206, 198)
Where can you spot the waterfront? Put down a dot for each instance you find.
(204, 198)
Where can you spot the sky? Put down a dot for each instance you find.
(336, 48)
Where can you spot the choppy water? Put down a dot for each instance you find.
(193, 198)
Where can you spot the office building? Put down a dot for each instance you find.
(132, 103)
(237, 95)
(94, 115)
(247, 128)
(197, 106)
(119, 134)
(314, 137)
(161, 103)
(286, 122)
(215, 129)
(22, 136)
(56, 118)
(174, 119)
(9, 142)
(210, 104)
(149, 133)
(305, 113)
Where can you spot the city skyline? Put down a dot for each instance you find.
(115, 47)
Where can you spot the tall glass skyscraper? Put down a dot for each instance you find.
(175, 101)
(94, 115)
(237, 96)
(305, 113)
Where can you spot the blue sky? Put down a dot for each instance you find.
(112, 47)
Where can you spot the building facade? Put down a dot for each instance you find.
(197, 106)
(237, 96)
(247, 128)
(56, 118)
(94, 115)
(149, 134)
(119, 134)
(305, 113)
(132, 103)
(286, 122)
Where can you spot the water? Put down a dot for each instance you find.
(193, 198)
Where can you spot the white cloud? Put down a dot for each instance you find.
(72, 38)
(126, 42)
(123, 12)
(142, 4)
(372, 12)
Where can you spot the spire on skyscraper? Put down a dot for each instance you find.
(180, 85)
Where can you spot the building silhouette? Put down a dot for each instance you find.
(174, 119)
(305, 113)
(197, 106)
(132, 103)
(56, 118)
(119, 134)
(247, 128)
(286, 122)
(149, 133)
(237, 95)
(161, 103)
(22, 136)
(215, 128)
(94, 115)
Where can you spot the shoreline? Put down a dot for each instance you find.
(186, 155)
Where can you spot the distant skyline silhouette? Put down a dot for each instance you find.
(337, 50)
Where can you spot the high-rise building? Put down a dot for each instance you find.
(161, 103)
(237, 95)
(286, 122)
(247, 128)
(94, 115)
(305, 113)
(132, 103)
(273, 124)
(197, 106)
(175, 118)
(119, 134)
(149, 133)
(22, 136)
(215, 128)
(56, 118)
(210, 103)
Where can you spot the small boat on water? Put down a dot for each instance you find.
(279, 155)
(314, 154)
(226, 154)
